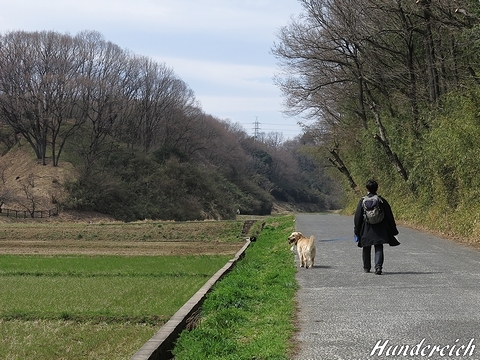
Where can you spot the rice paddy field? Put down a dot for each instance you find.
(100, 291)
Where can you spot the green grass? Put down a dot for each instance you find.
(107, 307)
(59, 339)
(249, 314)
(101, 307)
(111, 288)
(97, 266)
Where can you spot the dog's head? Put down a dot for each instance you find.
(294, 237)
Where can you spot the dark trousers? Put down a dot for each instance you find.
(367, 261)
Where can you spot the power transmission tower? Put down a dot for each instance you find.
(256, 129)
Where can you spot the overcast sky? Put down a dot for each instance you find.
(220, 48)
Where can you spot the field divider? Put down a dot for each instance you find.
(159, 347)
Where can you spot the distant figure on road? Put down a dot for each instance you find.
(374, 224)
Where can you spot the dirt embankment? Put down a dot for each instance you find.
(26, 183)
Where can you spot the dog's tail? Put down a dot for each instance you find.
(311, 244)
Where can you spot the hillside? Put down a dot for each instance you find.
(19, 166)
(25, 180)
(21, 172)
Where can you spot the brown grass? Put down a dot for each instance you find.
(19, 167)
(110, 248)
(116, 238)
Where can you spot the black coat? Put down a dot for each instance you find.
(381, 233)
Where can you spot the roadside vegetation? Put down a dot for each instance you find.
(403, 105)
(250, 313)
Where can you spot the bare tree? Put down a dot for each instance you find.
(38, 89)
(28, 188)
(7, 195)
(103, 82)
(22, 102)
(158, 98)
(366, 58)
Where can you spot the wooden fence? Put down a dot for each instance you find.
(25, 214)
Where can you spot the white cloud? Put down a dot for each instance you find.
(182, 16)
(244, 78)
(233, 104)
(220, 48)
(234, 91)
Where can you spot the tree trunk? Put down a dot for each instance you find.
(382, 139)
(337, 162)
(433, 80)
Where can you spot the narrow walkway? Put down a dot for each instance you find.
(427, 302)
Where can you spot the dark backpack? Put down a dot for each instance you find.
(372, 210)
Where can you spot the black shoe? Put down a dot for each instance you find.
(378, 272)
(366, 270)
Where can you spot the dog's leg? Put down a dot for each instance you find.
(300, 255)
(312, 256)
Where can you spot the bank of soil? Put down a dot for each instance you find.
(98, 247)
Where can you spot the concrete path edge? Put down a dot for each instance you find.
(159, 347)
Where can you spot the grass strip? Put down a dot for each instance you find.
(249, 314)
(116, 266)
(109, 288)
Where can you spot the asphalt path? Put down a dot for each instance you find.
(426, 305)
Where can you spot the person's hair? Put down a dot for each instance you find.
(372, 186)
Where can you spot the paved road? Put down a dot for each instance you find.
(428, 297)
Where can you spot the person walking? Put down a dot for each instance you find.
(374, 224)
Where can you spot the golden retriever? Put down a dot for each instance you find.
(305, 248)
